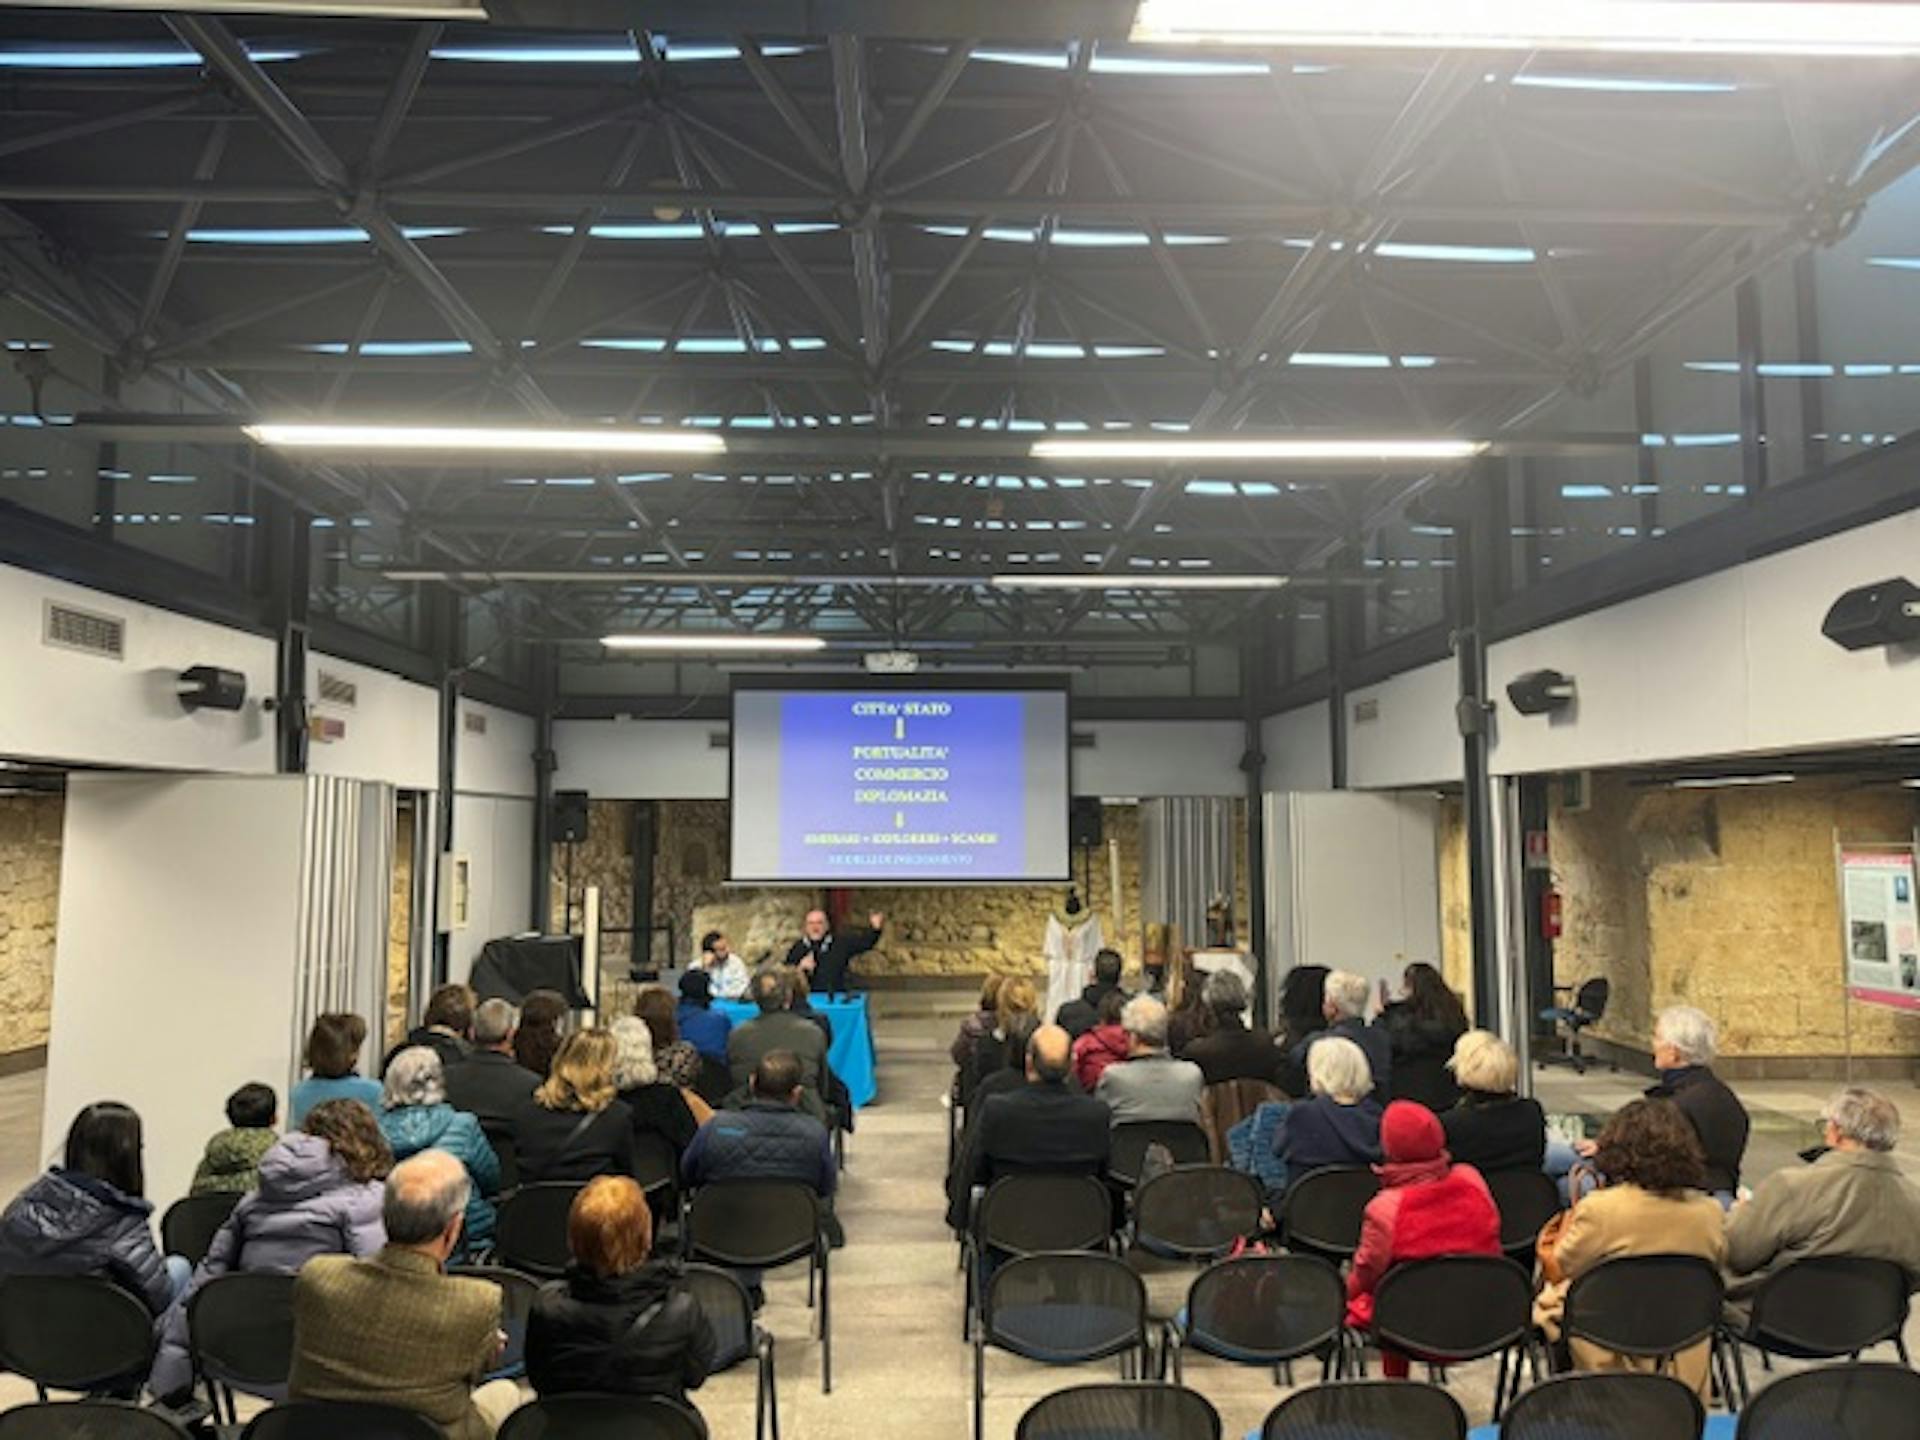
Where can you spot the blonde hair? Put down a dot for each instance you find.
(1017, 998)
(1483, 1062)
(1338, 1068)
(582, 1075)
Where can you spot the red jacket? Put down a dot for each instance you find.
(1094, 1051)
(1452, 1214)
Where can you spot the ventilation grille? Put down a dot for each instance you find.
(338, 690)
(475, 722)
(1365, 712)
(718, 740)
(1083, 740)
(86, 631)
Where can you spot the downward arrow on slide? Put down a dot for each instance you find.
(899, 727)
(899, 819)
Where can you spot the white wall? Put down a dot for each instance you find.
(498, 762)
(641, 759)
(62, 705)
(1414, 740)
(495, 834)
(1139, 759)
(393, 727)
(1298, 748)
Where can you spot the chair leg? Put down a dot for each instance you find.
(1900, 1348)
(1740, 1374)
(773, 1391)
(979, 1387)
(826, 1331)
(1500, 1389)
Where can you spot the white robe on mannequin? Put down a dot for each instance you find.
(1069, 953)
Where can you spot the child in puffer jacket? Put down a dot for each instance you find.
(231, 1163)
(1106, 1044)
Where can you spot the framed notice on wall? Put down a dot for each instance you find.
(1881, 926)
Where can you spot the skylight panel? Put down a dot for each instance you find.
(81, 57)
(400, 348)
(1895, 262)
(1456, 254)
(1359, 360)
(1625, 84)
(599, 53)
(1088, 238)
(308, 235)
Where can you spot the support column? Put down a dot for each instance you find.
(1474, 713)
(289, 574)
(444, 639)
(546, 665)
(1253, 761)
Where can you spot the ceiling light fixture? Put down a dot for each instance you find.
(713, 644)
(1715, 782)
(1146, 580)
(1660, 27)
(1361, 452)
(577, 440)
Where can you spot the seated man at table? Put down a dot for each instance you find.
(776, 1027)
(726, 971)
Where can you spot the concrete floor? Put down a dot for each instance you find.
(898, 1356)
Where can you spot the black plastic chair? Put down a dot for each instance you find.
(1262, 1310)
(74, 1333)
(1457, 1308)
(1527, 1200)
(760, 1225)
(656, 1165)
(1652, 1307)
(1032, 1215)
(1835, 1402)
(603, 1417)
(1586, 1007)
(338, 1419)
(1322, 1211)
(736, 1336)
(1823, 1308)
(240, 1333)
(1195, 1212)
(88, 1420)
(500, 1137)
(1060, 1309)
(517, 1294)
(1185, 1141)
(1365, 1409)
(530, 1231)
(1606, 1406)
(188, 1227)
(1120, 1412)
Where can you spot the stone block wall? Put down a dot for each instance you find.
(30, 827)
(400, 928)
(1456, 900)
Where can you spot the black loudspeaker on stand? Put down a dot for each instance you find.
(1083, 823)
(569, 817)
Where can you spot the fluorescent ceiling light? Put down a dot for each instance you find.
(1145, 580)
(1682, 27)
(1715, 782)
(589, 439)
(713, 644)
(1383, 451)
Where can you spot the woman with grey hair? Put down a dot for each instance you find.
(659, 1108)
(1340, 1123)
(415, 1116)
(1231, 1049)
(1684, 1045)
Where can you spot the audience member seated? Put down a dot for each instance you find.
(1013, 1074)
(1105, 1044)
(396, 1329)
(231, 1164)
(1042, 1126)
(979, 1024)
(1079, 1016)
(727, 973)
(1303, 1014)
(699, 1024)
(543, 1024)
(89, 1215)
(1339, 1124)
(1651, 1205)
(1493, 1128)
(1230, 1049)
(1345, 1008)
(1853, 1200)
(1684, 1044)
(800, 1002)
(320, 1194)
(774, 1028)
(488, 1082)
(1151, 1084)
(1427, 1207)
(657, 1107)
(621, 1322)
(1179, 989)
(1422, 1026)
(417, 1117)
(446, 1028)
(575, 1126)
(675, 1056)
(333, 1059)
(1016, 1012)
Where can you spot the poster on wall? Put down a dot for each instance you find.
(1882, 927)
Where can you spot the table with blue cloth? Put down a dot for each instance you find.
(850, 1054)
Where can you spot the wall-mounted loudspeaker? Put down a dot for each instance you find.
(569, 817)
(1083, 822)
(1541, 692)
(208, 687)
(1886, 612)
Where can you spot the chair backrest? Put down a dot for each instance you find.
(1591, 998)
(1647, 1305)
(240, 1327)
(723, 1298)
(1196, 1212)
(1830, 1305)
(760, 1223)
(1121, 1412)
(603, 1417)
(1834, 1402)
(336, 1419)
(1225, 1103)
(1026, 1214)
(1621, 1404)
(1323, 1209)
(517, 1294)
(1404, 1409)
(1066, 1308)
(1527, 1200)
(188, 1227)
(530, 1232)
(1184, 1139)
(500, 1137)
(656, 1164)
(88, 1420)
(1262, 1309)
(73, 1332)
(1454, 1307)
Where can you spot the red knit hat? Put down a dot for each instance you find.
(1410, 1133)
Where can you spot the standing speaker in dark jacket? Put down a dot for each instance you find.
(620, 1322)
(573, 1127)
(1230, 1050)
(1493, 1128)
(1684, 1045)
(828, 957)
(1421, 1031)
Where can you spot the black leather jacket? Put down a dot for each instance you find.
(636, 1334)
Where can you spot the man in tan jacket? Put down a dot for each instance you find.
(396, 1330)
(1853, 1200)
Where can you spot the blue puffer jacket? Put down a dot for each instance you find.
(414, 1128)
(306, 1205)
(66, 1224)
(761, 1141)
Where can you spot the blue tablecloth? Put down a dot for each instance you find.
(850, 1055)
